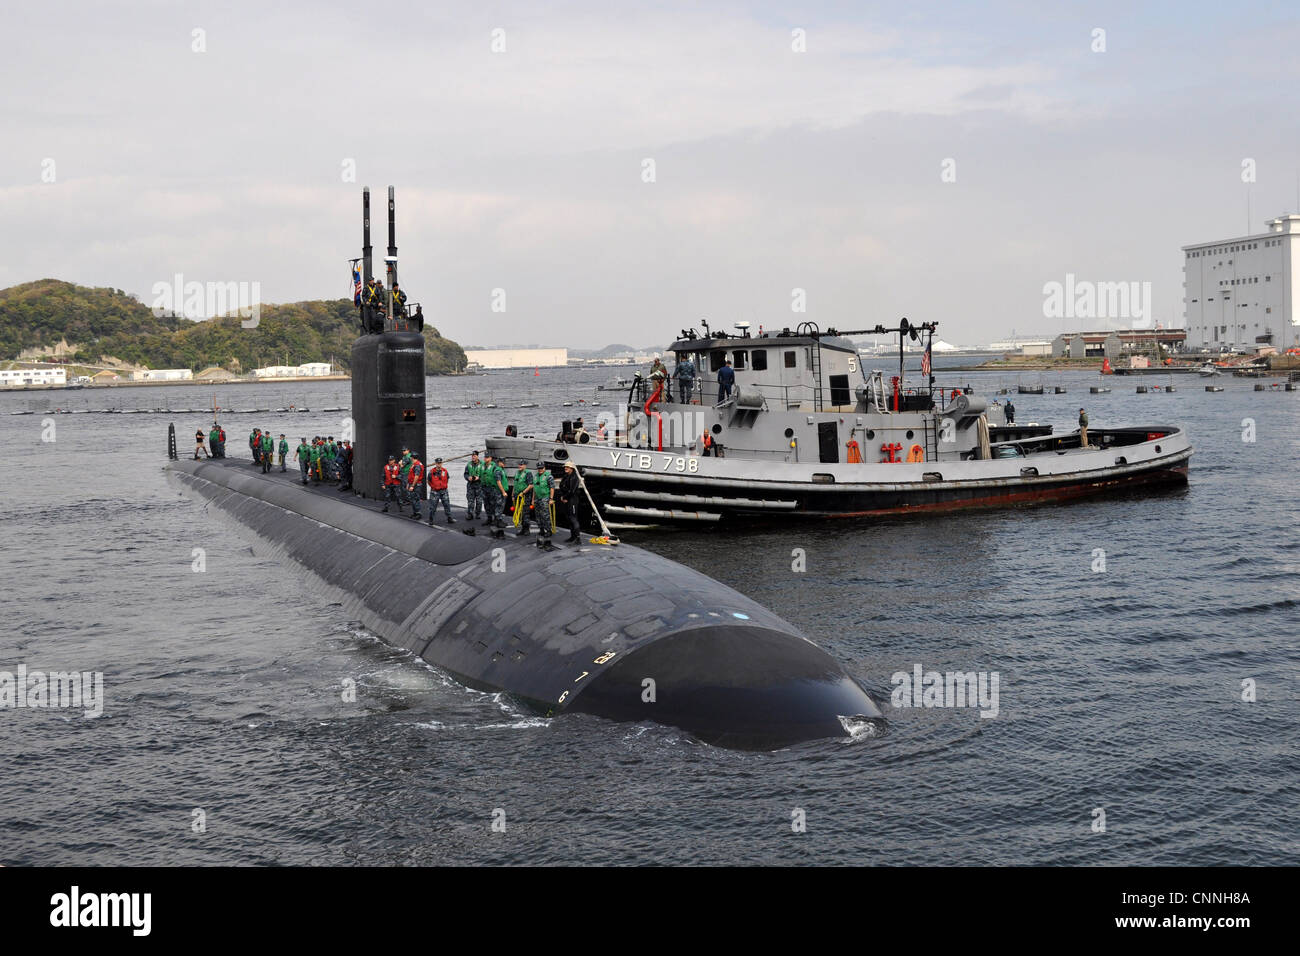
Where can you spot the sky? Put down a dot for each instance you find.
(584, 173)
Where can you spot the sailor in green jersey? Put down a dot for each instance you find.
(543, 492)
(474, 486)
(520, 489)
(403, 488)
(304, 458)
(315, 460)
(214, 438)
(268, 451)
(494, 490)
(284, 450)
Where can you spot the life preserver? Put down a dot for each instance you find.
(915, 454)
(855, 453)
(956, 394)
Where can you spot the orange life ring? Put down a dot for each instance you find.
(855, 453)
(915, 454)
(956, 394)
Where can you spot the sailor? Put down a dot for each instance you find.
(602, 431)
(706, 445)
(659, 378)
(494, 491)
(345, 467)
(1010, 413)
(726, 379)
(543, 493)
(221, 442)
(1083, 429)
(304, 458)
(685, 375)
(568, 494)
(198, 445)
(214, 440)
(255, 445)
(418, 318)
(392, 483)
(315, 459)
(268, 451)
(404, 466)
(580, 433)
(520, 490)
(438, 478)
(399, 300)
(284, 450)
(474, 486)
(415, 485)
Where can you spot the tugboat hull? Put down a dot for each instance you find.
(641, 486)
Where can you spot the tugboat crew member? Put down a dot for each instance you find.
(685, 375)
(1010, 413)
(726, 379)
(1083, 429)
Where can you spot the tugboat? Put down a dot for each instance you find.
(806, 432)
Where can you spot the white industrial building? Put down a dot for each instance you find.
(33, 376)
(162, 375)
(293, 371)
(518, 358)
(1240, 294)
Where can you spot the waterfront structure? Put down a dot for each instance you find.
(162, 375)
(18, 377)
(1239, 295)
(1116, 344)
(518, 358)
(307, 369)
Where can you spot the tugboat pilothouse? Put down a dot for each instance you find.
(803, 431)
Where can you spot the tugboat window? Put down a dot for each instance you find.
(840, 391)
(717, 429)
(789, 360)
(759, 363)
(789, 433)
(738, 359)
(716, 359)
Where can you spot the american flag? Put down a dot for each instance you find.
(356, 287)
(925, 361)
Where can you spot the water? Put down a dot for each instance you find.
(1119, 690)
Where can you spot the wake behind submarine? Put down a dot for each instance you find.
(616, 632)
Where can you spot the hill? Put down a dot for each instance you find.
(99, 322)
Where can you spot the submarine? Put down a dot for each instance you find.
(612, 631)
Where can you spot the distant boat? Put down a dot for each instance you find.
(528, 405)
(1209, 369)
(615, 384)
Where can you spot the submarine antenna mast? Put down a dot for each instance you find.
(392, 256)
(366, 258)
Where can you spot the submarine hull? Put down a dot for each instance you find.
(619, 633)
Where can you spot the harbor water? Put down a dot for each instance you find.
(1145, 651)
